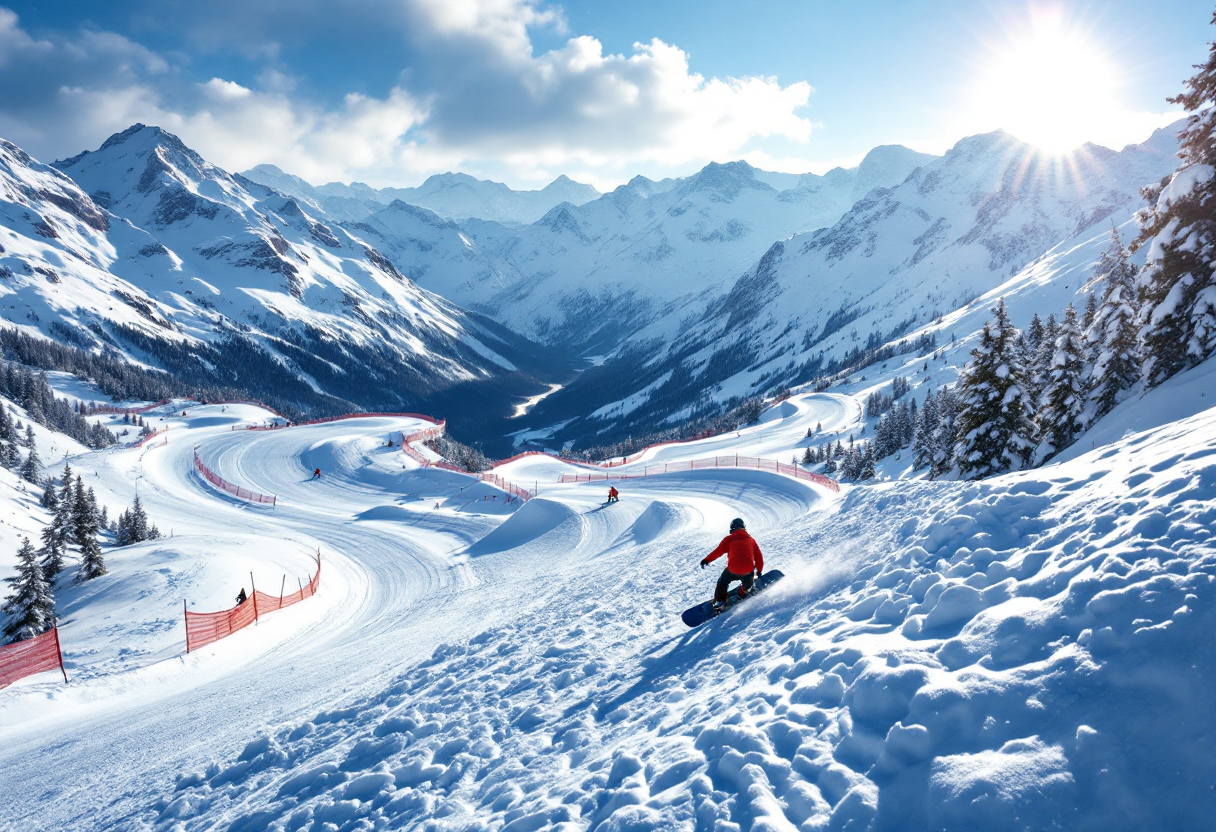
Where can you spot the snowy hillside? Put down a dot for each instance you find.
(926, 257)
(451, 195)
(1026, 653)
(176, 263)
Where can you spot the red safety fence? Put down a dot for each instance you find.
(424, 435)
(511, 488)
(203, 628)
(34, 655)
(430, 433)
(150, 436)
(733, 461)
(233, 489)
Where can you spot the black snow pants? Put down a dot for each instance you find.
(724, 583)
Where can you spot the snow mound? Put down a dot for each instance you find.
(784, 410)
(659, 519)
(534, 520)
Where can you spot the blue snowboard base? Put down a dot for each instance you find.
(695, 616)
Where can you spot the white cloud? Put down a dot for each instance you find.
(475, 97)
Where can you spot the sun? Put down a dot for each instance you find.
(1048, 84)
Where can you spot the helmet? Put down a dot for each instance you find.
(737, 523)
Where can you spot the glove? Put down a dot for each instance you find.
(704, 562)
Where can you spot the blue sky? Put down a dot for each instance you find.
(521, 91)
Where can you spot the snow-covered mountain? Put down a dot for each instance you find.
(451, 195)
(905, 259)
(623, 259)
(151, 250)
(649, 250)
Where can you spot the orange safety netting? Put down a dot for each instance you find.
(205, 627)
(511, 488)
(732, 461)
(233, 489)
(34, 655)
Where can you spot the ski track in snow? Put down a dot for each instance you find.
(1030, 652)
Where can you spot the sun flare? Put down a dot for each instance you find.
(1049, 84)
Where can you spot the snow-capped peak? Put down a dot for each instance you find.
(724, 181)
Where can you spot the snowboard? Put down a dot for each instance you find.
(695, 616)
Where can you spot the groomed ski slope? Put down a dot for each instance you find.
(1031, 652)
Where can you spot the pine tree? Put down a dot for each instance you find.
(30, 604)
(9, 457)
(54, 547)
(1064, 399)
(29, 469)
(133, 525)
(829, 464)
(85, 525)
(945, 434)
(122, 530)
(867, 471)
(807, 457)
(1178, 283)
(994, 427)
(922, 433)
(1038, 367)
(29, 441)
(50, 497)
(1091, 310)
(850, 466)
(1113, 336)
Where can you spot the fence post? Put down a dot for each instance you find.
(186, 620)
(255, 596)
(59, 650)
(282, 586)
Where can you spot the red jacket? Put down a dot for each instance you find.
(742, 553)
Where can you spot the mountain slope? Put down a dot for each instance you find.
(184, 266)
(904, 260)
(648, 250)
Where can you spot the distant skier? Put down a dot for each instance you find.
(316, 475)
(241, 597)
(614, 496)
(743, 558)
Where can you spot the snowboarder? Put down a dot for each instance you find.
(241, 597)
(743, 557)
(316, 475)
(614, 496)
